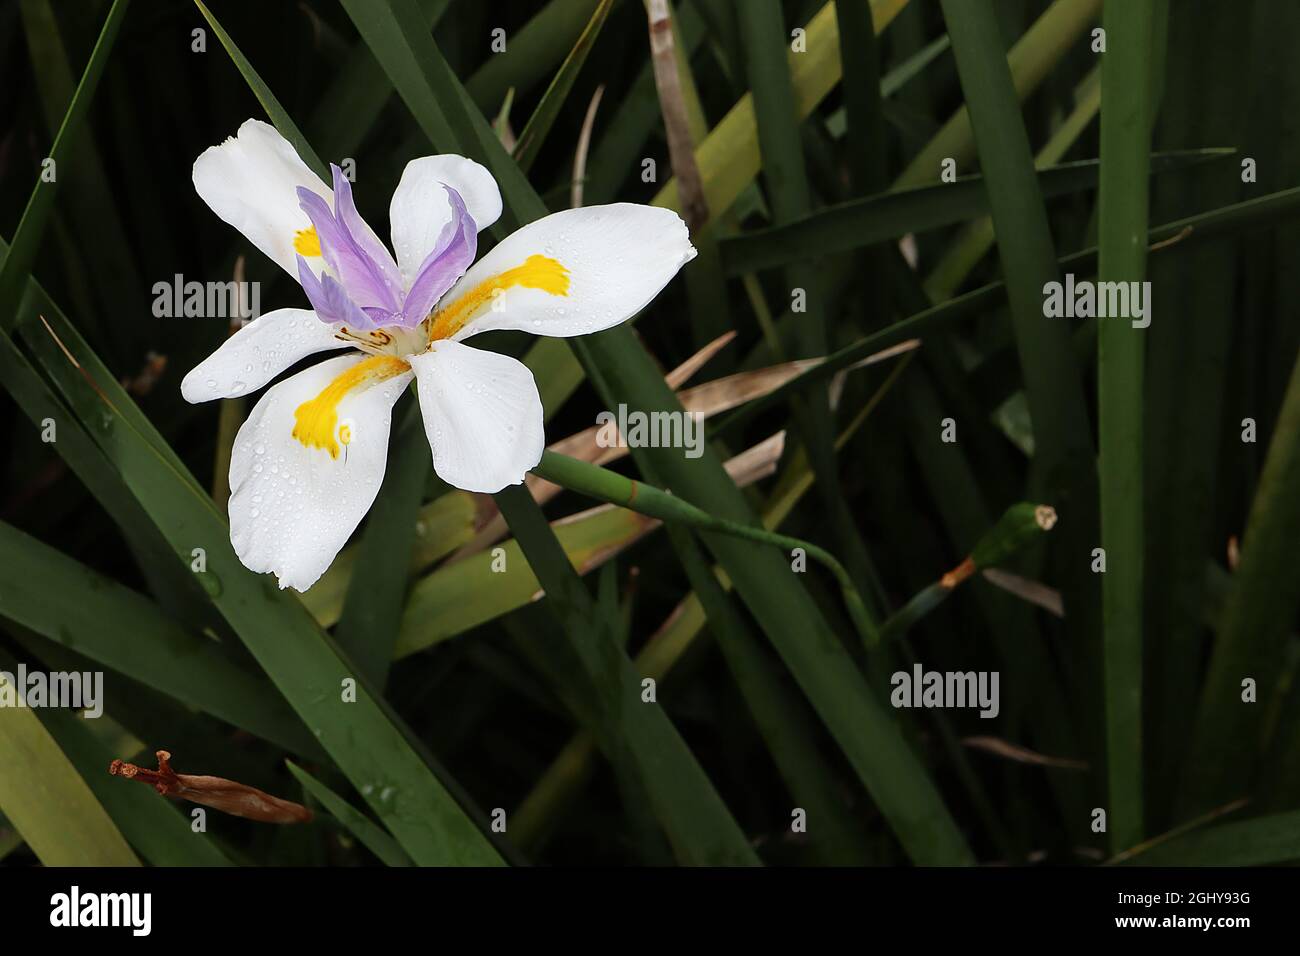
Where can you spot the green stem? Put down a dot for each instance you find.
(1018, 527)
(609, 486)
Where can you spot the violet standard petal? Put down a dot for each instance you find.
(442, 267)
(345, 212)
(330, 303)
(362, 279)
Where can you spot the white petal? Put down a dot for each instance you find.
(482, 416)
(251, 182)
(293, 507)
(259, 352)
(420, 208)
(617, 258)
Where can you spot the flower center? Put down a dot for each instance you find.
(394, 340)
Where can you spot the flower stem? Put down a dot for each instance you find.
(1018, 527)
(609, 486)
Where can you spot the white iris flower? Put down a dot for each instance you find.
(307, 464)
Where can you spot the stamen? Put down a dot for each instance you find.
(536, 272)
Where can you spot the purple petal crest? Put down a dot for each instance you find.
(365, 290)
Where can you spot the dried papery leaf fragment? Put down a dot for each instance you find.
(1003, 748)
(75, 364)
(580, 151)
(227, 796)
(1035, 592)
(1183, 828)
(672, 103)
(684, 372)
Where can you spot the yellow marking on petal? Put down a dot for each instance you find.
(536, 272)
(307, 242)
(317, 420)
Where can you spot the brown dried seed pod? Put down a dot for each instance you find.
(219, 793)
